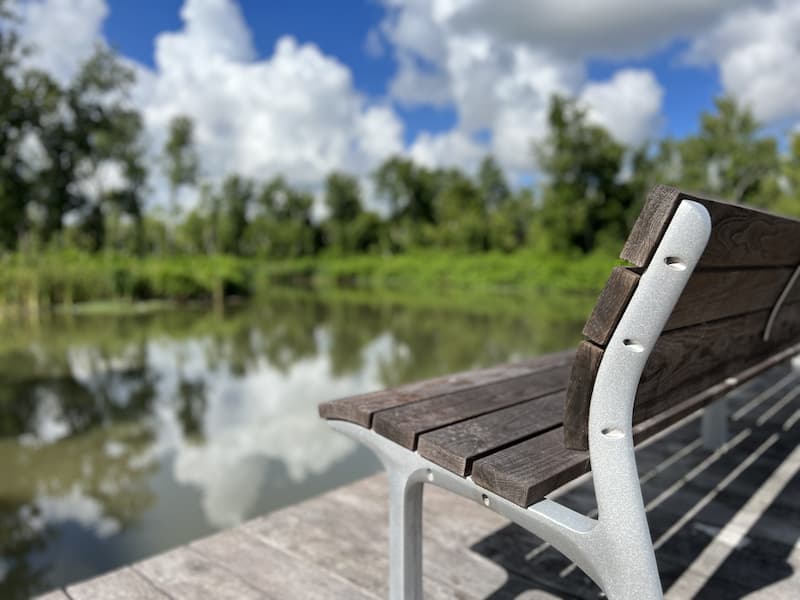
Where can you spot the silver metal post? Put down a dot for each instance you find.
(405, 537)
(714, 425)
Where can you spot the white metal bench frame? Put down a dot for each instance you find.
(615, 549)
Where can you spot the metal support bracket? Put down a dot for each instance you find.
(779, 303)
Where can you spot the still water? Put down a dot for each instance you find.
(123, 436)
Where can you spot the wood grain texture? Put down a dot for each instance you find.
(741, 236)
(686, 361)
(360, 409)
(525, 472)
(184, 574)
(650, 225)
(405, 423)
(579, 395)
(687, 367)
(718, 294)
(124, 584)
(455, 447)
(610, 305)
(273, 570)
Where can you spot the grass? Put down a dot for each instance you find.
(98, 282)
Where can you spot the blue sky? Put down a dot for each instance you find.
(306, 87)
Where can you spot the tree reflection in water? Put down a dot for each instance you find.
(125, 435)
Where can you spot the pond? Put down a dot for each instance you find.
(126, 435)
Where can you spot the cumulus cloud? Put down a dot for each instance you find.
(614, 28)
(628, 105)
(757, 50)
(295, 113)
(63, 33)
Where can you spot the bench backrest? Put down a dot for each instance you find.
(738, 315)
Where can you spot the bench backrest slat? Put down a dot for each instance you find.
(716, 329)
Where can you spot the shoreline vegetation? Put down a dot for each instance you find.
(102, 283)
(92, 220)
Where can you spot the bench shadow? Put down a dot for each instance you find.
(688, 515)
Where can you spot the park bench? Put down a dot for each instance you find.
(712, 299)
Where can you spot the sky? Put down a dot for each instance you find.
(305, 87)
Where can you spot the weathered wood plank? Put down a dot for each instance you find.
(404, 424)
(611, 304)
(719, 294)
(360, 409)
(525, 472)
(686, 361)
(687, 367)
(269, 568)
(741, 236)
(124, 584)
(456, 446)
(182, 573)
(650, 225)
(579, 395)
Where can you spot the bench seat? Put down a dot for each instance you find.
(479, 423)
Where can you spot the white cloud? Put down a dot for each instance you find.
(62, 32)
(757, 50)
(450, 149)
(295, 113)
(628, 105)
(600, 28)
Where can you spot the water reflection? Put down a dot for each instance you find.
(123, 436)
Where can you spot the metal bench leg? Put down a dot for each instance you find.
(405, 537)
(715, 424)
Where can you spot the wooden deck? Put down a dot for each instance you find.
(726, 524)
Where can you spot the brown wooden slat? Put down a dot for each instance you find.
(360, 409)
(684, 362)
(741, 236)
(717, 294)
(610, 305)
(405, 423)
(579, 393)
(455, 447)
(525, 472)
(650, 225)
(673, 414)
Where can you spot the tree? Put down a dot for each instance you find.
(234, 201)
(728, 157)
(180, 156)
(345, 230)
(492, 184)
(585, 197)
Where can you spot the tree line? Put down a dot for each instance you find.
(73, 174)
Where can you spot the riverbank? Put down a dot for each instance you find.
(67, 279)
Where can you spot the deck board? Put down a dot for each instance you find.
(726, 528)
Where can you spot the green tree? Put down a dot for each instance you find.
(180, 157)
(584, 198)
(492, 184)
(728, 157)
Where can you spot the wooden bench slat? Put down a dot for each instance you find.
(361, 409)
(684, 362)
(405, 423)
(740, 237)
(611, 304)
(456, 446)
(710, 295)
(526, 472)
